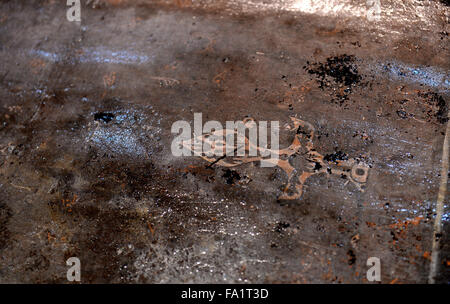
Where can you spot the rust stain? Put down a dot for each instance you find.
(68, 203)
(219, 78)
(403, 225)
(394, 281)
(183, 3)
(211, 42)
(152, 229)
(371, 224)
(50, 237)
(328, 33)
(109, 79)
(427, 255)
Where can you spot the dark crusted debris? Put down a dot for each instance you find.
(105, 117)
(351, 257)
(281, 226)
(231, 176)
(341, 70)
(334, 157)
(436, 100)
(402, 114)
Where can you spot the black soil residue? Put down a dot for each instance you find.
(402, 114)
(351, 257)
(437, 101)
(317, 166)
(338, 69)
(334, 157)
(231, 176)
(281, 226)
(105, 117)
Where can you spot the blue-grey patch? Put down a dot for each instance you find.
(95, 55)
(429, 76)
(118, 141)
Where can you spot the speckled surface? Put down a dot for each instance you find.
(86, 168)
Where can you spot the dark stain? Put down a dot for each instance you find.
(105, 117)
(281, 226)
(317, 166)
(338, 69)
(105, 230)
(205, 174)
(351, 257)
(305, 133)
(5, 215)
(402, 114)
(334, 157)
(439, 102)
(58, 96)
(231, 176)
(116, 178)
(36, 261)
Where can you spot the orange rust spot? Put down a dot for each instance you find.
(50, 237)
(305, 89)
(109, 79)
(416, 220)
(43, 146)
(394, 281)
(183, 3)
(200, 170)
(329, 275)
(219, 78)
(172, 66)
(371, 224)
(243, 268)
(327, 33)
(418, 248)
(402, 227)
(296, 94)
(152, 230)
(69, 203)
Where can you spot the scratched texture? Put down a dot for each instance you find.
(85, 131)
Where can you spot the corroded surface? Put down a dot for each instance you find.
(86, 168)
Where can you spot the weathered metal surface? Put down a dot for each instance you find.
(86, 168)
